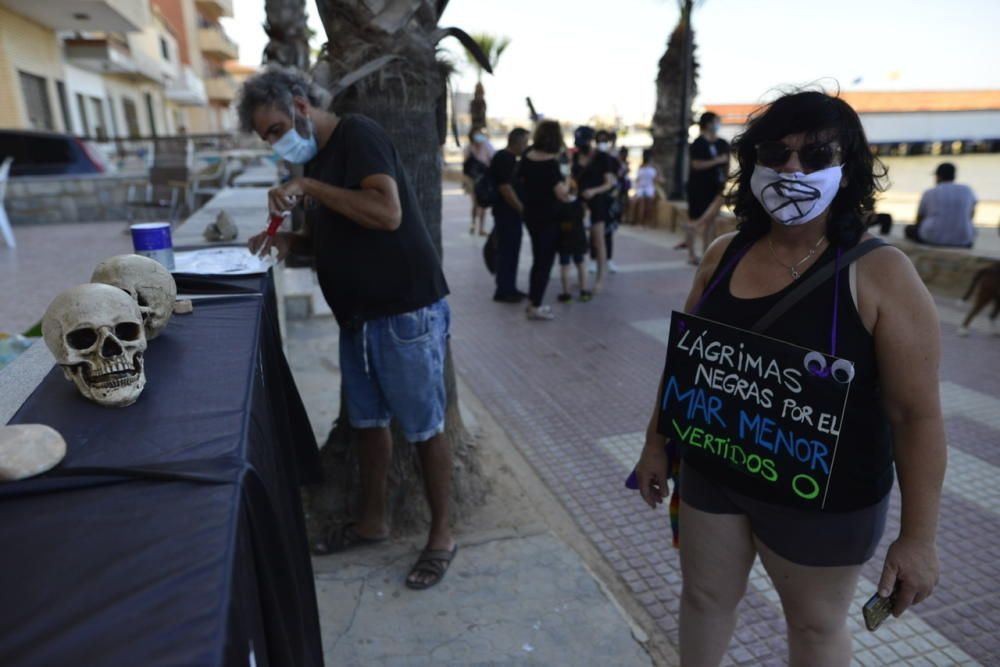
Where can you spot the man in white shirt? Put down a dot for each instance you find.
(944, 217)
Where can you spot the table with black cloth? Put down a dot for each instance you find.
(172, 533)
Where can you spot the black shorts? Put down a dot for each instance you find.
(817, 539)
(697, 206)
(600, 208)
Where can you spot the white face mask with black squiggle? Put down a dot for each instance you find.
(795, 198)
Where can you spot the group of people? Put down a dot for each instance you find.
(558, 194)
(383, 279)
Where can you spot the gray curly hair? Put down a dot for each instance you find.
(276, 85)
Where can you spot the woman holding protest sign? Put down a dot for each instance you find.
(838, 339)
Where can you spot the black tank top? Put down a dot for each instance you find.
(863, 471)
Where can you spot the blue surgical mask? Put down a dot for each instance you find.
(295, 148)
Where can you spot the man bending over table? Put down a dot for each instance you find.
(382, 277)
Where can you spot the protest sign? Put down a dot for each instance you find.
(760, 406)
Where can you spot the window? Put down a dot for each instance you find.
(165, 49)
(36, 101)
(152, 114)
(100, 131)
(131, 118)
(81, 105)
(111, 115)
(64, 106)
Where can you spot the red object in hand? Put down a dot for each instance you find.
(276, 220)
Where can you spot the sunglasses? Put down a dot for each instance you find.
(813, 157)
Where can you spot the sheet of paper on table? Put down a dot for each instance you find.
(230, 261)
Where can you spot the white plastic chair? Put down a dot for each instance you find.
(8, 233)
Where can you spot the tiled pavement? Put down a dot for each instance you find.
(575, 394)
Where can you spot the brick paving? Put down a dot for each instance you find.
(574, 395)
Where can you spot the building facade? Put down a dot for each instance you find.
(909, 122)
(116, 68)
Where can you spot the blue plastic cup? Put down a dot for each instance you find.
(152, 239)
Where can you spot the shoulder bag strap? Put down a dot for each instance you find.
(814, 281)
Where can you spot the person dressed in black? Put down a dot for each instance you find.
(709, 171)
(596, 176)
(507, 215)
(542, 187)
(382, 277)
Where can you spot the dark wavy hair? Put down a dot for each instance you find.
(548, 137)
(814, 113)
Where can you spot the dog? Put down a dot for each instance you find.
(988, 282)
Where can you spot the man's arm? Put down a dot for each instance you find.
(922, 208)
(510, 196)
(375, 206)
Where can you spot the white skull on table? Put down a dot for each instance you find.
(147, 281)
(96, 334)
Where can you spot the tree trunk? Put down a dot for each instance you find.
(669, 95)
(405, 98)
(477, 107)
(288, 33)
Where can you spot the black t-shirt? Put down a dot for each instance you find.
(364, 273)
(593, 174)
(704, 184)
(502, 169)
(538, 179)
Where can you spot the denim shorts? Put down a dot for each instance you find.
(393, 367)
(818, 539)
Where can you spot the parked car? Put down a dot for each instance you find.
(49, 153)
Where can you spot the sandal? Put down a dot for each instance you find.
(431, 562)
(343, 537)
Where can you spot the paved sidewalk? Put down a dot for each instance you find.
(517, 592)
(575, 394)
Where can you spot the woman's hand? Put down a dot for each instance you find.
(911, 570)
(261, 244)
(587, 194)
(651, 471)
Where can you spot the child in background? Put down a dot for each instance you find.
(645, 188)
(572, 247)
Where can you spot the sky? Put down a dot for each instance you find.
(584, 58)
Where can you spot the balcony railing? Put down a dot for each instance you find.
(188, 89)
(216, 45)
(86, 15)
(221, 88)
(215, 8)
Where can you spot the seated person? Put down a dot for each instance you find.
(944, 217)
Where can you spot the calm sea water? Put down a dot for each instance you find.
(916, 174)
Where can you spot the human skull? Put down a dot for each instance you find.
(145, 279)
(95, 333)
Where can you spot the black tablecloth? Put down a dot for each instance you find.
(172, 533)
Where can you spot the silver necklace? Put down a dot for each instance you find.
(794, 267)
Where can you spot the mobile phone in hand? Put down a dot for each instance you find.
(876, 610)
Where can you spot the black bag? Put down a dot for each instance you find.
(490, 250)
(473, 168)
(485, 191)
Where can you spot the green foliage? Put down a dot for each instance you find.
(491, 45)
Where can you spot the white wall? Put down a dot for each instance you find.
(80, 81)
(931, 126)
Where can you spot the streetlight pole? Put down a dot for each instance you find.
(677, 190)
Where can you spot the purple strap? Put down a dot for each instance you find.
(718, 278)
(836, 304)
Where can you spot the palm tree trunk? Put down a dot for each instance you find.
(288, 33)
(406, 98)
(670, 97)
